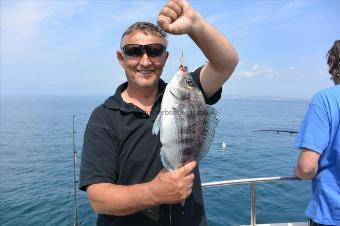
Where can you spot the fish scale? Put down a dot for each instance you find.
(185, 122)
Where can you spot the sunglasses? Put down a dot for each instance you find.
(152, 50)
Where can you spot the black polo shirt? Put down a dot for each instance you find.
(119, 148)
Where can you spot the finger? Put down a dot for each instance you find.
(191, 165)
(168, 12)
(187, 168)
(179, 3)
(190, 177)
(189, 181)
(175, 7)
(164, 22)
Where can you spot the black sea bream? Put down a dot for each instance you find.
(186, 123)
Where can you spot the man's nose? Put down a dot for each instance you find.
(145, 60)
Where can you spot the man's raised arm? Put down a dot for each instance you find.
(178, 17)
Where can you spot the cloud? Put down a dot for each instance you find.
(22, 22)
(23, 19)
(258, 70)
(22, 16)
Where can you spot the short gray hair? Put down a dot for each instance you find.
(145, 27)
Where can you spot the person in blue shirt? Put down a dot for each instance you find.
(319, 141)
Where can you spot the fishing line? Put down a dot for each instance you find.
(181, 44)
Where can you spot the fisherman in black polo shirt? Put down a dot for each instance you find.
(121, 168)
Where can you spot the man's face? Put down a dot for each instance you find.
(142, 71)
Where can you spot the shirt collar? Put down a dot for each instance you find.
(116, 101)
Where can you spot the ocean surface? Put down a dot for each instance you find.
(36, 161)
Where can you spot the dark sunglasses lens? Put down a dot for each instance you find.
(154, 50)
(133, 50)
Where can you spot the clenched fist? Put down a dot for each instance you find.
(170, 187)
(178, 17)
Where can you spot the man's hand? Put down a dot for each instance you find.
(173, 187)
(121, 200)
(177, 17)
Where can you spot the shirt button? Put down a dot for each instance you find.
(149, 211)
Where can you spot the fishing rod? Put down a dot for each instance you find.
(76, 221)
(277, 131)
(223, 145)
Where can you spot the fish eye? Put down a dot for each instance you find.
(189, 82)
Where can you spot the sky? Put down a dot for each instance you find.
(69, 47)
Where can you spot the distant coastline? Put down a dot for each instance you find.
(264, 98)
(104, 96)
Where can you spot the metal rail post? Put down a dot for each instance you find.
(253, 204)
(252, 182)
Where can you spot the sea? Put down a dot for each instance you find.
(36, 160)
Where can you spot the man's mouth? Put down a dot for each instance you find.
(145, 71)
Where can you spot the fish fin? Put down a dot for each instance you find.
(165, 161)
(210, 131)
(156, 125)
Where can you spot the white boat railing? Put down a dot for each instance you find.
(252, 182)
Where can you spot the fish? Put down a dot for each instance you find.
(185, 122)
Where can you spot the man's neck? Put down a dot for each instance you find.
(141, 97)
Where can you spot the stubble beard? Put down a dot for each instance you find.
(144, 84)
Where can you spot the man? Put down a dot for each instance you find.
(319, 141)
(121, 168)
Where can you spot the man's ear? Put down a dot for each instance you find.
(166, 56)
(120, 57)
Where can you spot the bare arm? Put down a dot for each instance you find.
(178, 17)
(166, 188)
(307, 165)
(111, 199)
(220, 53)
